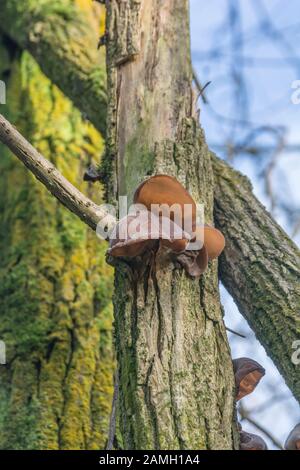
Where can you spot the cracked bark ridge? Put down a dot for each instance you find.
(176, 377)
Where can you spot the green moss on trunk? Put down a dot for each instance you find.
(55, 289)
(64, 32)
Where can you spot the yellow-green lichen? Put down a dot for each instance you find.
(55, 288)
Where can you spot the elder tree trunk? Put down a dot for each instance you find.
(176, 378)
(55, 288)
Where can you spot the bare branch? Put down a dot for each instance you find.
(260, 268)
(245, 415)
(54, 181)
(235, 332)
(199, 87)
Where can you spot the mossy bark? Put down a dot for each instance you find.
(55, 288)
(62, 35)
(176, 379)
(260, 268)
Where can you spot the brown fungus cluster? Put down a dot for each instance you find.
(136, 234)
(167, 209)
(164, 209)
(247, 374)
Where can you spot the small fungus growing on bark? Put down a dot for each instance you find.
(92, 174)
(293, 440)
(212, 243)
(212, 239)
(127, 242)
(247, 374)
(250, 441)
(194, 262)
(172, 236)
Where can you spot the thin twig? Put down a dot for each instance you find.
(245, 415)
(200, 88)
(235, 332)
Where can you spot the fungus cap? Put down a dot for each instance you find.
(127, 241)
(135, 234)
(250, 441)
(248, 374)
(293, 440)
(194, 262)
(92, 174)
(176, 202)
(212, 239)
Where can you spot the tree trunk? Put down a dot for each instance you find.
(55, 289)
(176, 379)
(63, 39)
(260, 268)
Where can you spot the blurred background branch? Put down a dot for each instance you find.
(250, 52)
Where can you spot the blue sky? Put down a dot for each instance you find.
(260, 41)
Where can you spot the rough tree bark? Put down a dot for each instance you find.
(55, 288)
(260, 268)
(13, 15)
(176, 380)
(59, 35)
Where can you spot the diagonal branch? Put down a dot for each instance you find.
(260, 268)
(54, 181)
